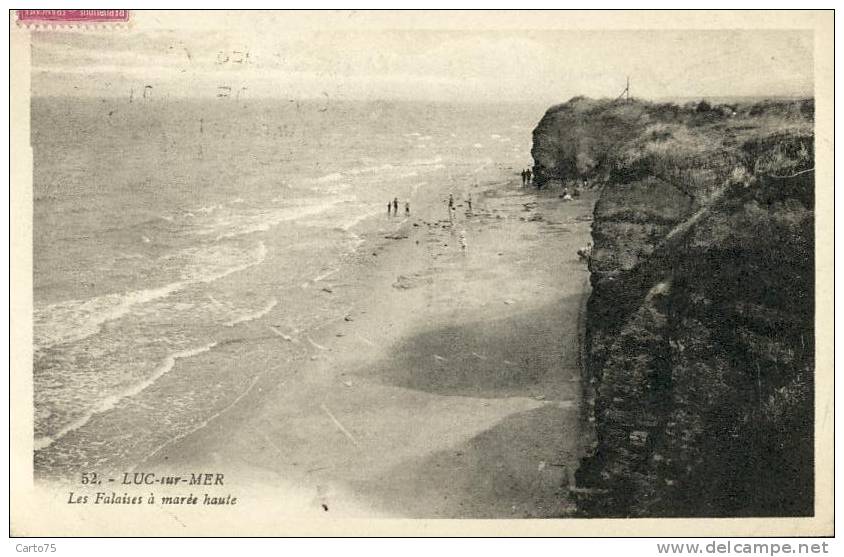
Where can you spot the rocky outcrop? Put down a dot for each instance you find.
(700, 339)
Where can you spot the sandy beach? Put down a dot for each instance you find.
(449, 388)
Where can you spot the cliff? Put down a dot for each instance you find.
(699, 337)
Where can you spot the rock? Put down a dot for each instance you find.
(638, 438)
(692, 266)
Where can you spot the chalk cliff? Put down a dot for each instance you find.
(700, 340)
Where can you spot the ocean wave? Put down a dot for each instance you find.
(110, 402)
(212, 263)
(348, 224)
(370, 169)
(74, 320)
(253, 315)
(203, 423)
(426, 162)
(337, 176)
(232, 226)
(208, 209)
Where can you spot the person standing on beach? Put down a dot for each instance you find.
(389, 206)
(407, 208)
(469, 202)
(396, 206)
(524, 177)
(528, 175)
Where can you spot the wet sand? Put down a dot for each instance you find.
(448, 387)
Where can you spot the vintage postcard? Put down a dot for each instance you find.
(401, 273)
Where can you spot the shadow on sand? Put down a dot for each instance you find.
(530, 354)
(520, 468)
(522, 465)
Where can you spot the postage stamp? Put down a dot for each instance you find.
(73, 17)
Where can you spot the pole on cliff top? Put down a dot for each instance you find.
(626, 92)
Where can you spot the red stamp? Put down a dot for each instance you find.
(73, 16)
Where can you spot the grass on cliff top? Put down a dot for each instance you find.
(697, 147)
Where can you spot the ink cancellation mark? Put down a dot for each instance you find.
(72, 17)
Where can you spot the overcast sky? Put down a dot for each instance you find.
(448, 65)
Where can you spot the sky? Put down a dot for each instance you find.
(447, 65)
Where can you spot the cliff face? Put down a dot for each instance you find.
(700, 337)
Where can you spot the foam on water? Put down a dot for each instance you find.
(203, 424)
(253, 315)
(358, 218)
(250, 222)
(110, 402)
(74, 320)
(204, 216)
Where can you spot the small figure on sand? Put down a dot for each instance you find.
(450, 202)
(389, 208)
(407, 208)
(566, 196)
(525, 177)
(469, 202)
(585, 253)
(396, 206)
(528, 175)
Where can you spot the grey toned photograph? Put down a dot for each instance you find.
(420, 271)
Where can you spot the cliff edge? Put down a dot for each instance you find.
(699, 345)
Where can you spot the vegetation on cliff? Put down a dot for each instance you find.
(700, 337)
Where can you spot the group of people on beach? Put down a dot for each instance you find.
(451, 207)
(527, 176)
(393, 207)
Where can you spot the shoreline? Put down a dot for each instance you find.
(337, 430)
(478, 348)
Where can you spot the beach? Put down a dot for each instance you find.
(247, 305)
(448, 386)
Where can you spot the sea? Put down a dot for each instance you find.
(158, 221)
